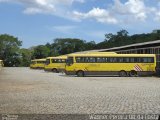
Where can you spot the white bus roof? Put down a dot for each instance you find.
(44, 59)
(118, 55)
(58, 57)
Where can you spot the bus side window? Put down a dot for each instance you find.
(132, 60)
(82, 59)
(120, 60)
(112, 59)
(106, 59)
(54, 61)
(63, 60)
(59, 61)
(86, 59)
(135, 60)
(115, 60)
(92, 59)
(145, 60)
(109, 60)
(139, 60)
(101, 60)
(126, 60)
(151, 60)
(78, 59)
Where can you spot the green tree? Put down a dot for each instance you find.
(90, 45)
(67, 45)
(51, 49)
(121, 38)
(122, 33)
(114, 40)
(40, 51)
(109, 37)
(26, 57)
(10, 50)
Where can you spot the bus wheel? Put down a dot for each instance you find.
(133, 73)
(122, 73)
(80, 74)
(55, 70)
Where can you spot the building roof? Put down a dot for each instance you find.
(127, 46)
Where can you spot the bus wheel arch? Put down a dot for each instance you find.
(80, 73)
(133, 73)
(55, 70)
(122, 73)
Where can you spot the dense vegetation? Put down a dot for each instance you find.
(13, 55)
(122, 38)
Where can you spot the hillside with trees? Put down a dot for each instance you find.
(122, 38)
(13, 55)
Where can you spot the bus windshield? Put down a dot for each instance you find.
(69, 61)
(33, 62)
(47, 61)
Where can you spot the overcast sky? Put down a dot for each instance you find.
(40, 21)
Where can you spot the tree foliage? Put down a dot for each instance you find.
(41, 51)
(9, 50)
(68, 45)
(25, 57)
(122, 38)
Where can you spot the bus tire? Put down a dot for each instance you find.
(80, 73)
(133, 73)
(55, 70)
(122, 73)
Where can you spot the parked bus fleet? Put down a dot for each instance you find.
(99, 63)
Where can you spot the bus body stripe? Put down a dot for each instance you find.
(138, 68)
(135, 68)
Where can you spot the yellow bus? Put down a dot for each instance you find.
(110, 64)
(38, 63)
(55, 64)
(1, 63)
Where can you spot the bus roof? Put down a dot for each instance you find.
(92, 52)
(114, 55)
(39, 59)
(65, 56)
(58, 57)
(97, 53)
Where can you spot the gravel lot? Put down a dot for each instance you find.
(26, 91)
